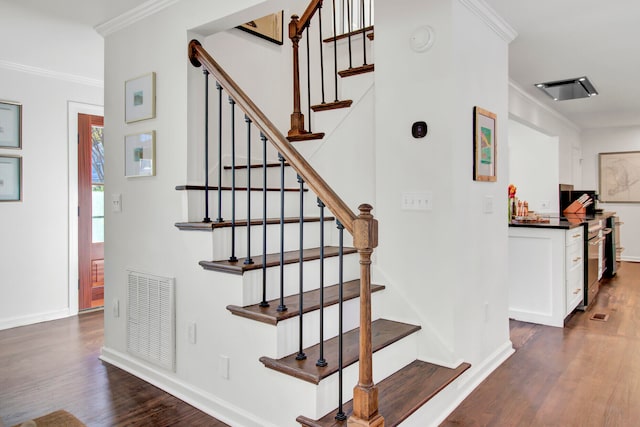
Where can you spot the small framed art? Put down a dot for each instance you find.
(10, 124)
(10, 178)
(140, 154)
(484, 145)
(268, 27)
(140, 98)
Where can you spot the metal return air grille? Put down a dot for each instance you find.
(151, 319)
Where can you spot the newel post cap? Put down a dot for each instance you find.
(365, 229)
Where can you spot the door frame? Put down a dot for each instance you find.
(74, 108)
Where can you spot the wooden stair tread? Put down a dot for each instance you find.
(290, 257)
(335, 105)
(257, 166)
(311, 302)
(307, 136)
(350, 33)
(209, 226)
(356, 70)
(226, 188)
(401, 394)
(383, 333)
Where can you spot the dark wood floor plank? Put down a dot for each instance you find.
(54, 365)
(311, 302)
(585, 374)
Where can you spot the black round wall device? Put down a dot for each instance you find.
(419, 130)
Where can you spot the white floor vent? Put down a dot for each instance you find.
(151, 319)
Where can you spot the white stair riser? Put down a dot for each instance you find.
(288, 330)
(252, 280)
(311, 239)
(273, 177)
(291, 204)
(385, 361)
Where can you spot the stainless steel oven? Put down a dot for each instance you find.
(594, 250)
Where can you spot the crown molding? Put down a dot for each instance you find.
(43, 72)
(516, 87)
(132, 16)
(491, 18)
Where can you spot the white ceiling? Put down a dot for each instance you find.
(562, 39)
(557, 39)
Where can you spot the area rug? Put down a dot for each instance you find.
(55, 419)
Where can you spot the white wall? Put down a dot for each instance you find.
(536, 115)
(35, 280)
(608, 140)
(534, 167)
(447, 263)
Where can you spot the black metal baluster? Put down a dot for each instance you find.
(219, 88)
(264, 302)
(364, 39)
(321, 360)
(321, 51)
(308, 78)
(248, 259)
(281, 306)
(301, 355)
(340, 416)
(206, 147)
(349, 32)
(335, 52)
(233, 258)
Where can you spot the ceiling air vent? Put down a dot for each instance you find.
(561, 90)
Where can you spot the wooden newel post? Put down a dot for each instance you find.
(297, 118)
(365, 393)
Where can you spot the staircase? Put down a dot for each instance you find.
(298, 272)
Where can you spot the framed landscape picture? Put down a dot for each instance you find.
(268, 27)
(10, 125)
(10, 178)
(140, 98)
(140, 154)
(619, 177)
(484, 145)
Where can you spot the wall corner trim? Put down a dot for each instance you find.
(517, 88)
(132, 16)
(491, 18)
(43, 72)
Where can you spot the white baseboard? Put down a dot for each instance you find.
(14, 322)
(204, 401)
(434, 412)
(630, 258)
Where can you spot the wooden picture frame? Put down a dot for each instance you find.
(619, 177)
(140, 98)
(10, 178)
(140, 154)
(485, 145)
(268, 27)
(10, 125)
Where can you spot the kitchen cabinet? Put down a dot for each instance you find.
(546, 272)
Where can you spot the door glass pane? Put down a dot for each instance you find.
(97, 178)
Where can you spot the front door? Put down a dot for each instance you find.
(90, 211)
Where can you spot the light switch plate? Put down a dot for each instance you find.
(487, 204)
(417, 201)
(116, 202)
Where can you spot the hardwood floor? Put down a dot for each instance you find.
(54, 365)
(586, 374)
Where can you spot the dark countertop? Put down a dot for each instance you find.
(561, 223)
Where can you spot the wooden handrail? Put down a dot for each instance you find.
(304, 20)
(200, 57)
